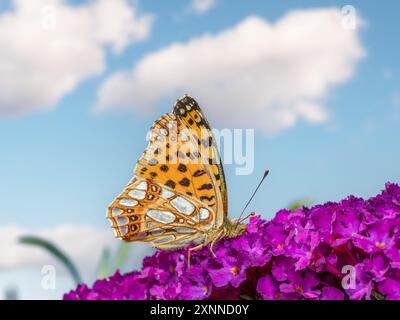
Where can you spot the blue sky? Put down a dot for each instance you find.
(64, 165)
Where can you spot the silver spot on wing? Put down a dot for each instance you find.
(166, 193)
(122, 220)
(128, 202)
(182, 205)
(137, 194)
(165, 217)
(116, 212)
(123, 230)
(142, 185)
(157, 231)
(165, 239)
(184, 230)
(204, 214)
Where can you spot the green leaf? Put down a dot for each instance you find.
(11, 294)
(299, 204)
(55, 252)
(103, 269)
(121, 255)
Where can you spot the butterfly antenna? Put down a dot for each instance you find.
(251, 198)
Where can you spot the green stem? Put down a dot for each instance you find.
(56, 252)
(377, 295)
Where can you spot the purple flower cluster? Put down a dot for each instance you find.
(346, 250)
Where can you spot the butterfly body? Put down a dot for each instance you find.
(178, 195)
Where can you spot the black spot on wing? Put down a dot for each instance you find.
(188, 104)
(157, 151)
(202, 198)
(182, 168)
(206, 186)
(184, 182)
(199, 173)
(170, 184)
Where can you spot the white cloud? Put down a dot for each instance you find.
(202, 6)
(255, 74)
(48, 47)
(83, 244)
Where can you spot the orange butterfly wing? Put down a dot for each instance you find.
(191, 116)
(147, 211)
(174, 165)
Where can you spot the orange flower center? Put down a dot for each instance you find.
(380, 245)
(299, 290)
(235, 270)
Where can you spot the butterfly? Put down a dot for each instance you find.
(178, 195)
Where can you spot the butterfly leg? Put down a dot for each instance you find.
(212, 249)
(219, 236)
(201, 245)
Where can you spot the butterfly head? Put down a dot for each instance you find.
(234, 229)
